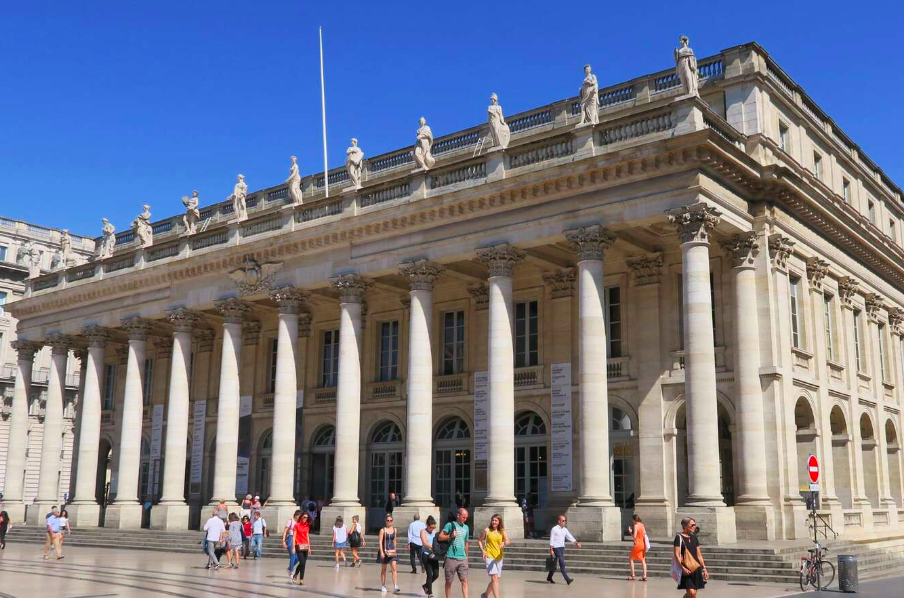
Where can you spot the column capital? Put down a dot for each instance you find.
(560, 283)
(59, 343)
(251, 332)
(138, 328)
(500, 259)
(26, 349)
(82, 355)
(896, 320)
(164, 348)
(351, 287)
(97, 335)
(847, 290)
(205, 340)
(233, 309)
(183, 319)
(742, 248)
(304, 324)
(816, 271)
(780, 249)
(481, 295)
(647, 269)
(421, 274)
(590, 242)
(289, 299)
(695, 222)
(875, 303)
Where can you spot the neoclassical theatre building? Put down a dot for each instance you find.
(658, 297)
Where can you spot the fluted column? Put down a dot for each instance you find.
(282, 473)
(593, 430)
(89, 426)
(14, 485)
(132, 412)
(226, 462)
(351, 289)
(694, 224)
(422, 275)
(49, 479)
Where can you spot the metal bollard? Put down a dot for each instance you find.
(847, 573)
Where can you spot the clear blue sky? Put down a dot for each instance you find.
(107, 105)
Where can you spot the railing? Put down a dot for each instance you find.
(617, 367)
(267, 401)
(162, 227)
(319, 211)
(125, 237)
(611, 97)
(383, 195)
(466, 173)
(80, 273)
(723, 129)
(637, 127)
(557, 148)
(278, 194)
(47, 282)
(217, 238)
(163, 252)
(261, 226)
(40, 376)
(451, 384)
(7, 223)
(458, 142)
(40, 230)
(8, 371)
(821, 525)
(336, 177)
(537, 119)
(74, 379)
(529, 376)
(392, 161)
(324, 396)
(380, 391)
(120, 264)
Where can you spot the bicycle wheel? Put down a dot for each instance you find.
(804, 577)
(826, 574)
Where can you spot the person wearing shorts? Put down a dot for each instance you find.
(492, 543)
(340, 540)
(456, 533)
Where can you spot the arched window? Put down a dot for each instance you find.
(529, 424)
(621, 458)
(386, 433)
(866, 428)
(454, 429)
(325, 437)
(323, 449)
(803, 415)
(531, 457)
(619, 420)
(385, 463)
(837, 421)
(452, 464)
(891, 436)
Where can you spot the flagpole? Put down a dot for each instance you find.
(326, 180)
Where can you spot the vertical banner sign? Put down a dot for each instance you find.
(243, 463)
(562, 433)
(156, 441)
(299, 439)
(197, 447)
(481, 397)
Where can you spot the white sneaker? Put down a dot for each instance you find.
(383, 589)
(398, 590)
(337, 566)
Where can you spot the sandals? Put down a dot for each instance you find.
(631, 578)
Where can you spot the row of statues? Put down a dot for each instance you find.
(30, 256)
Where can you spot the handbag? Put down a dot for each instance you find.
(646, 542)
(688, 561)
(551, 564)
(354, 539)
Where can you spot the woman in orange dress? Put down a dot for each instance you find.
(639, 552)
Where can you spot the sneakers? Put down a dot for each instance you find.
(397, 590)
(383, 589)
(336, 567)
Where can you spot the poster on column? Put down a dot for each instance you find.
(156, 431)
(481, 404)
(562, 433)
(243, 461)
(199, 416)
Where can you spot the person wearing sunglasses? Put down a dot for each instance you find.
(689, 556)
(557, 537)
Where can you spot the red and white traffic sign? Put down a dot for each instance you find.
(813, 468)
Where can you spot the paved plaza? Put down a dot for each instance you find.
(95, 573)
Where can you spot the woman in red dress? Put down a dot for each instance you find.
(638, 532)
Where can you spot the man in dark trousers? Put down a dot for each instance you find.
(391, 503)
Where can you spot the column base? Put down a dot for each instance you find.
(84, 514)
(512, 518)
(716, 525)
(595, 524)
(123, 516)
(658, 517)
(328, 516)
(404, 515)
(16, 511)
(277, 516)
(172, 516)
(889, 503)
(36, 513)
(755, 522)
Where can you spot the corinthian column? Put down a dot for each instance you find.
(501, 261)
(694, 224)
(595, 517)
(85, 511)
(49, 478)
(14, 485)
(226, 461)
(125, 512)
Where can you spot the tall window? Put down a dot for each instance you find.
(531, 458)
(858, 353)
(2, 301)
(891, 230)
(526, 338)
(795, 319)
(329, 372)
(3, 253)
(109, 386)
(846, 190)
(613, 322)
(784, 137)
(882, 353)
(871, 210)
(830, 335)
(817, 165)
(453, 342)
(272, 384)
(148, 382)
(389, 351)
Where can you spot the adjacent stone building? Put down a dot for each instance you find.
(665, 311)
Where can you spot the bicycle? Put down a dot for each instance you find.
(815, 571)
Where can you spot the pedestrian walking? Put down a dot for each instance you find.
(258, 530)
(388, 555)
(255, 506)
(527, 510)
(557, 536)
(5, 526)
(690, 558)
(311, 508)
(216, 534)
(288, 540)
(638, 533)
(246, 539)
(456, 564)
(415, 545)
(302, 547)
(222, 511)
(429, 558)
(356, 540)
(236, 540)
(49, 537)
(246, 507)
(53, 533)
(340, 540)
(65, 530)
(492, 544)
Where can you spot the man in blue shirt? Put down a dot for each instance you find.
(53, 533)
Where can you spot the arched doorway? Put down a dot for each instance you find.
(806, 434)
(894, 462)
(726, 455)
(869, 460)
(532, 463)
(264, 465)
(452, 464)
(841, 457)
(385, 472)
(622, 451)
(323, 452)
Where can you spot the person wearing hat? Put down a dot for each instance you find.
(246, 507)
(255, 507)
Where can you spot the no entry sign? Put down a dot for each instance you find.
(813, 468)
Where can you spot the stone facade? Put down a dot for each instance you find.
(720, 274)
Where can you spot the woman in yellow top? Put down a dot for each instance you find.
(492, 543)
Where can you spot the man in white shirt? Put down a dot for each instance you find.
(557, 537)
(258, 529)
(215, 529)
(415, 546)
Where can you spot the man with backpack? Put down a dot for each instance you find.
(457, 534)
